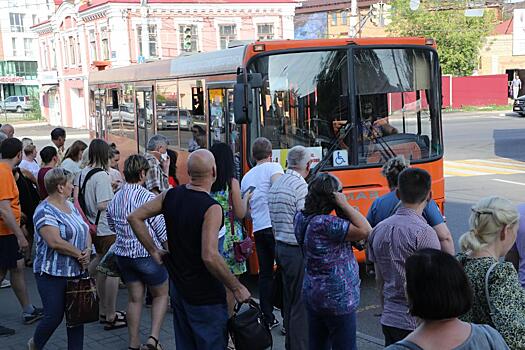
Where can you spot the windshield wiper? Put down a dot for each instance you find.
(341, 135)
(387, 152)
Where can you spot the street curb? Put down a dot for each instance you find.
(19, 125)
(371, 339)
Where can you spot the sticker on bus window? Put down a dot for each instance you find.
(340, 158)
(279, 156)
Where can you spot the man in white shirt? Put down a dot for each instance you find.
(58, 139)
(261, 177)
(516, 87)
(29, 162)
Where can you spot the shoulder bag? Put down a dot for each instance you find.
(81, 205)
(244, 249)
(492, 310)
(248, 329)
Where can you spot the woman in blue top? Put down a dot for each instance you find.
(62, 253)
(331, 280)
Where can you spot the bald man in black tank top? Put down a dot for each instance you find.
(197, 270)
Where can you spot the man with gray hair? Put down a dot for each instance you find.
(285, 199)
(159, 163)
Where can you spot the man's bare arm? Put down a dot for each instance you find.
(445, 238)
(9, 219)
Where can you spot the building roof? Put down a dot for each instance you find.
(504, 27)
(89, 4)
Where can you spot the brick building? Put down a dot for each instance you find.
(102, 34)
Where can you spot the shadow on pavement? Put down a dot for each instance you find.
(509, 143)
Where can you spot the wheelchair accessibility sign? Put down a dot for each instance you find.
(340, 158)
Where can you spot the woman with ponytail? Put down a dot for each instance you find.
(499, 300)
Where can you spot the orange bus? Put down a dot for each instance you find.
(354, 103)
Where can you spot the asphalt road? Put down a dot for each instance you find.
(484, 155)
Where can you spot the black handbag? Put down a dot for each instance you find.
(248, 329)
(81, 302)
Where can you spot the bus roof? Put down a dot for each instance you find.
(226, 61)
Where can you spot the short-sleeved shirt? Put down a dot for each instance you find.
(129, 198)
(331, 281)
(98, 190)
(9, 191)
(72, 229)
(71, 166)
(260, 177)
(391, 242)
(520, 244)
(285, 199)
(386, 205)
(40, 181)
(31, 166)
(156, 177)
(481, 336)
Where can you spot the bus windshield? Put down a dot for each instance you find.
(308, 97)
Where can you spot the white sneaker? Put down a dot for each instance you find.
(5, 284)
(31, 344)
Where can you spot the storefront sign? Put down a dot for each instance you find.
(11, 80)
(48, 77)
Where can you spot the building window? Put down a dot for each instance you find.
(92, 45)
(344, 18)
(45, 57)
(17, 22)
(26, 69)
(152, 40)
(265, 31)
(13, 43)
(227, 33)
(334, 18)
(72, 54)
(28, 47)
(104, 39)
(35, 21)
(188, 38)
(65, 51)
(53, 55)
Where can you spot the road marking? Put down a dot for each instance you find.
(509, 182)
(481, 167)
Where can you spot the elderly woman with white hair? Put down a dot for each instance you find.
(499, 299)
(62, 253)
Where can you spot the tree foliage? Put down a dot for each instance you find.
(459, 38)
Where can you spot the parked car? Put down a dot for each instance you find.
(16, 104)
(169, 119)
(519, 105)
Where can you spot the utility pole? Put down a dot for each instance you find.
(353, 19)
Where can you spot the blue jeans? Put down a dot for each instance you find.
(332, 332)
(198, 327)
(52, 291)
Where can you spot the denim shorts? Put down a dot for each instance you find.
(145, 270)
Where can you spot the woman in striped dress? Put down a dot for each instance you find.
(137, 267)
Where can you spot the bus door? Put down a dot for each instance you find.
(222, 122)
(144, 114)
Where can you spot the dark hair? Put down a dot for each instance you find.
(47, 153)
(261, 148)
(200, 130)
(99, 153)
(413, 185)
(9, 148)
(133, 166)
(113, 151)
(224, 162)
(320, 198)
(436, 285)
(172, 171)
(392, 168)
(57, 133)
(73, 152)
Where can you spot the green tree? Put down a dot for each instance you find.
(459, 38)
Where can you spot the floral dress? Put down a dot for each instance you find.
(229, 255)
(506, 295)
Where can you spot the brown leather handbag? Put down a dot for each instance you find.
(242, 249)
(81, 301)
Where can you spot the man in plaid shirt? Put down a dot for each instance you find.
(159, 163)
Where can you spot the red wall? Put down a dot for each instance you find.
(481, 90)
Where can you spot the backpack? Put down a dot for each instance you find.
(80, 204)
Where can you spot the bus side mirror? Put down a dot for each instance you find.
(242, 103)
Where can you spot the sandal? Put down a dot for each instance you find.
(147, 346)
(118, 322)
(102, 318)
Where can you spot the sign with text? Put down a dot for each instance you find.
(279, 156)
(11, 80)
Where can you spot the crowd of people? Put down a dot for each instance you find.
(175, 245)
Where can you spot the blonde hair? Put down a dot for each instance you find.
(393, 167)
(489, 216)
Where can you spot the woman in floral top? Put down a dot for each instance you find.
(227, 192)
(331, 281)
(493, 227)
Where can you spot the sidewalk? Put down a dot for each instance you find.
(95, 337)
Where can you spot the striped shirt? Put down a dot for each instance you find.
(391, 242)
(72, 229)
(129, 198)
(285, 199)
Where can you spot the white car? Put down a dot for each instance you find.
(16, 104)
